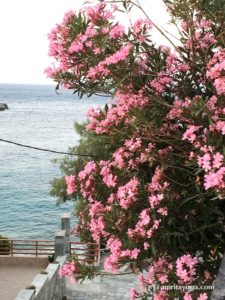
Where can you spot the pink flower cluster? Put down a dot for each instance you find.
(133, 154)
(107, 176)
(185, 268)
(98, 12)
(160, 83)
(116, 115)
(202, 296)
(161, 272)
(98, 34)
(68, 270)
(127, 194)
(113, 260)
(102, 68)
(71, 184)
(216, 69)
(190, 133)
(212, 163)
(202, 37)
(140, 28)
(117, 32)
(144, 228)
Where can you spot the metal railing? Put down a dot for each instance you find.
(35, 248)
(85, 252)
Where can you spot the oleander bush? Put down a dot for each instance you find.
(153, 187)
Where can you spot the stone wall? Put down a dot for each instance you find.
(47, 285)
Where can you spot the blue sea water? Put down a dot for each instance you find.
(39, 117)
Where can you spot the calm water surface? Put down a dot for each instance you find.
(37, 116)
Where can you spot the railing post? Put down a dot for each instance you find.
(11, 246)
(98, 253)
(36, 249)
(65, 225)
(70, 251)
(60, 243)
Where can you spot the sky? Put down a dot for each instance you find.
(24, 26)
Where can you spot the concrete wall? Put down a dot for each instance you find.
(47, 286)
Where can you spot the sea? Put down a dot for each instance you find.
(39, 117)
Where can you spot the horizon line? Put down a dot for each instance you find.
(28, 83)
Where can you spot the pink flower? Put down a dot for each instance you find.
(97, 226)
(76, 47)
(127, 194)
(163, 278)
(205, 162)
(160, 83)
(185, 268)
(154, 200)
(146, 245)
(97, 50)
(219, 84)
(212, 102)
(108, 178)
(89, 44)
(134, 253)
(187, 296)
(68, 270)
(156, 183)
(105, 30)
(120, 55)
(215, 179)
(114, 244)
(162, 295)
(99, 71)
(217, 160)
(202, 296)
(96, 208)
(140, 24)
(119, 157)
(71, 184)
(90, 31)
(190, 133)
(220, 126)
(163, 211)
(111, 263)
(50, 72)
(132, 293)
(144, 217)
(68, 16)
(133, 144)
(117, 31)
(89, 168)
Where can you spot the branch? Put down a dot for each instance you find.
(138, 5)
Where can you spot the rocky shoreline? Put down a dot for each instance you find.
(3, 106)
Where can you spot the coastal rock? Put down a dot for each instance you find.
(3, 106)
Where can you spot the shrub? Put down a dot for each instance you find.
(5, 246)
(157, 197)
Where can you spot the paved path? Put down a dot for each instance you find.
(104, 288)
(13, 279)
(107, 287)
